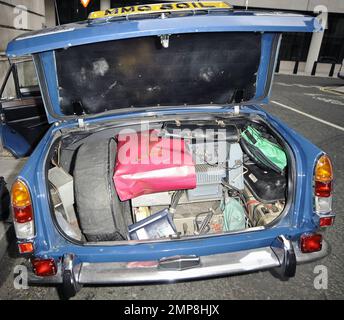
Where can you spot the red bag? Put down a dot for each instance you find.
(147, 163)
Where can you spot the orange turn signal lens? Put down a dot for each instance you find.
(323, 170)
(26, 247)
(20, 195)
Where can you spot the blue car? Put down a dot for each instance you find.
(161, 164)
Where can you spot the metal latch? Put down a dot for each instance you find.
(165, 40)
(179, 263)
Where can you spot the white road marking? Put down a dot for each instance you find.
(309, 116)
(323, 98)
(328, 90)
(297, 85)
(332, 90)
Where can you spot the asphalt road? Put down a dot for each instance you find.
(300, 93)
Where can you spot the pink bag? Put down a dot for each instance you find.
(147, 163)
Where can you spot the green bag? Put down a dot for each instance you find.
(264, 152)
(233, 215)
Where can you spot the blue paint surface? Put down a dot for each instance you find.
(13, 141)
(83, 33)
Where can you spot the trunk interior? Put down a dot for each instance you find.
(174, 179)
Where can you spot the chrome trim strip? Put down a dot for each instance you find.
(45, 32)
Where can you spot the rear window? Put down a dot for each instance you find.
(195, 69)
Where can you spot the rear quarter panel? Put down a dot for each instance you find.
(306, 155)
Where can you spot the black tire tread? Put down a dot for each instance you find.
(101, 214)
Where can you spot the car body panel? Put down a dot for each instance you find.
(13, 141)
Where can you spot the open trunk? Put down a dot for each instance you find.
(192, 177)
(173, 179)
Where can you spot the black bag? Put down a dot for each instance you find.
(4, 200)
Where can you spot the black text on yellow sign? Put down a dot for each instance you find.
(160, 8)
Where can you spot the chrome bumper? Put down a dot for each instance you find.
(214, 265)
(274, 257)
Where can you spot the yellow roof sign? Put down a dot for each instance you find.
(160, 8)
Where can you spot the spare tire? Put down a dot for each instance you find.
(102, 216)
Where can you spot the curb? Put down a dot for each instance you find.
(303, 74)
(319, 69)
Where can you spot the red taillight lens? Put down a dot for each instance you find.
(311, 243)
(23, 215)
(326, 221)
(26, 247)
(323, 189)
(44, 268)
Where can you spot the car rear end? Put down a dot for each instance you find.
(297, 237)
(294, 236)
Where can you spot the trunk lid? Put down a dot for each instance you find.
(157, 56)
